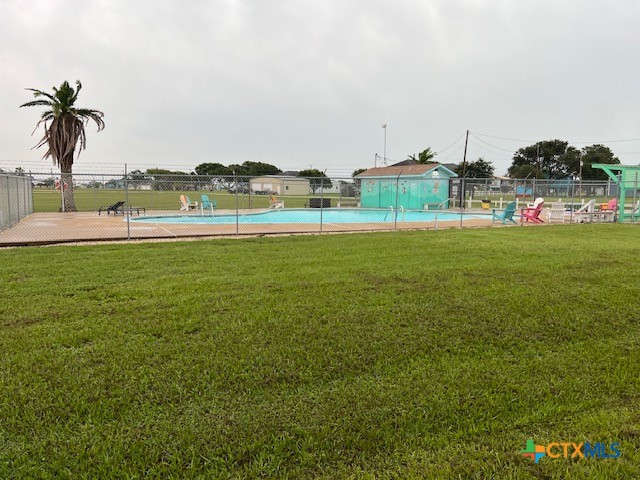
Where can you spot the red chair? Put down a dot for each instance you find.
(532, 214)
(611, 205)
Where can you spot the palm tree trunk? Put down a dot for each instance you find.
(66, 178)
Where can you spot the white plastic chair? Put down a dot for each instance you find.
(556, 212)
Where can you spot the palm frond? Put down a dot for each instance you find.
(75, 96)
(40, 93)
(37, 103)
(88, 111)
(90, 114)
(44, 118)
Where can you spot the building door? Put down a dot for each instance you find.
(413, 201)
(386, 194)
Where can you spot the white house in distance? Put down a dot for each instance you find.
(280, 184)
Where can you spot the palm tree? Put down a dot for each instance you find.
(426, 155)
(64, 131)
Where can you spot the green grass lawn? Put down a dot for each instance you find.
(90, 200)
(388, 355)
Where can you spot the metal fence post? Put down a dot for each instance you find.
(94, 189)
(635, 205)
(18, 184)
(395, 217)
(462, 199)
(321, 202)
(9, 202)
(573, 191)
(126, 201)
(25, 198)
(28, 195)
(237, 205)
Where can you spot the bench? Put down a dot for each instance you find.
(318, 203)
(348, 204)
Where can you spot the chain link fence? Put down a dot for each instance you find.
(16, 200)
(144, 206)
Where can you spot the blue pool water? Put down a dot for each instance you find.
(308, 216)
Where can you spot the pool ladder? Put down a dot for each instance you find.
(390, 209)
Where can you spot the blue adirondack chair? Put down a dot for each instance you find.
(506, 215)
(206, 203)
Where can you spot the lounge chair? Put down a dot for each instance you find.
(585, 212)
(535, 202)
(506, 215)
(588, 213)
(635, 208)
(111, 208)
(587, 207)
(186, 205)
(206, 203)
(556, 212)
(274, 202)
(633, 214)
(611, 205)
(532, 214)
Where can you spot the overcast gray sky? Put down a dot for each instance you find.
(300, 83)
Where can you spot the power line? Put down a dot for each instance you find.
(503, 138)
(455, 151)
(492, 146)
(492, 154)
(444, 150)
(536, 141)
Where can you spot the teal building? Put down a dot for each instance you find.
(413, 187)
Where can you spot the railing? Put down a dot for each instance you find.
(390, 209)
(447, 202)
(243, 203)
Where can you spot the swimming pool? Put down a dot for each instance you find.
(309, 216)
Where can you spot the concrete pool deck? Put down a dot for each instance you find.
(45, 228)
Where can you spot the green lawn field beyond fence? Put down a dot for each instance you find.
(395, 355)
(90, 200)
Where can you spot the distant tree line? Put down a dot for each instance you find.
(477, 169)
(216, 173)
(556, 159)
(548, 159)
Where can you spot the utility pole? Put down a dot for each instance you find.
(580, 174)
(464, 171)
(464, 158)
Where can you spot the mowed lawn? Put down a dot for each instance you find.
(390, 355)
(90, 200)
